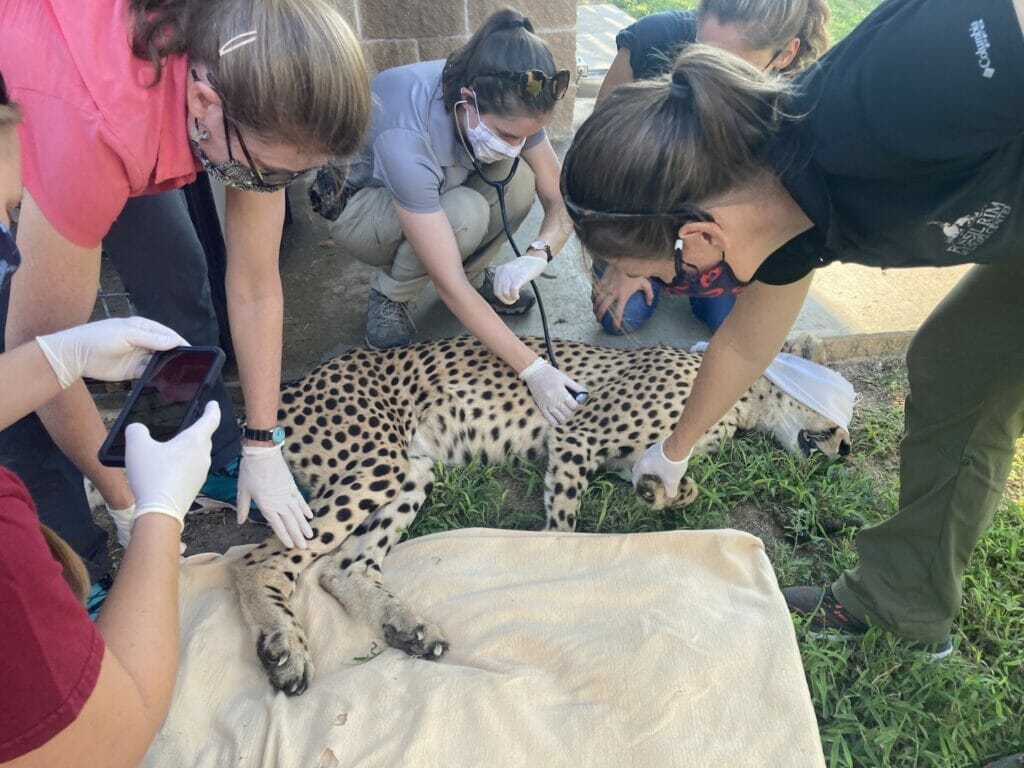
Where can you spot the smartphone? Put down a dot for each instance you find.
(169, 397)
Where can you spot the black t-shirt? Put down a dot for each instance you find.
(654, 41)
(911, 150)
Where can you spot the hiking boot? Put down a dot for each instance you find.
(388, 323)
(524, 302)
(831, 620)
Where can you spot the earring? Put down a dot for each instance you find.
(199, 135)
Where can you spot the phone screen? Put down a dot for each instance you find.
(166, 397)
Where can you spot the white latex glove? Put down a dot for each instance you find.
(548, 386)
(513, 275)
(655, 462)
(123, 522)
(111, 350)
(165, 477)
(264, 477)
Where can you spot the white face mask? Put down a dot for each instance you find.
(487, 146)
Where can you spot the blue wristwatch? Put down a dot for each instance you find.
(275, 435)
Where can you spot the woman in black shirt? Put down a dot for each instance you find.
(903, 147)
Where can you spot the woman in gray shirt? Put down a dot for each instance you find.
(414, 205)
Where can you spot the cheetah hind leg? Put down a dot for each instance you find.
(353, 576)
(264, 590)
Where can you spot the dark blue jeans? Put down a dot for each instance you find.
(155, 250)
(711, 312)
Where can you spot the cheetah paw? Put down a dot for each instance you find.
(423, 640)
(286, 660)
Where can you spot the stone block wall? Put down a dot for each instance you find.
(396, 32)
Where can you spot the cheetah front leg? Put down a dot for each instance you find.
(265, 579)
(572, 458)
(353, 575)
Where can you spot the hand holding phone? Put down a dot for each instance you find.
(109, 350)
(167, 399)
(165, 477)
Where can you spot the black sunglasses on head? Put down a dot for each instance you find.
(686, 213)
(530, 85)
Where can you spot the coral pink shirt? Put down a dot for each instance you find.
(93, 132)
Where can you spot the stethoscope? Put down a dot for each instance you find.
(498, 185)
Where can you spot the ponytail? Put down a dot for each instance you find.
(656, 147)
(74, 570)
(505, 42)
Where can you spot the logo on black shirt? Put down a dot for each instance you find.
(981, 46)
(967, 233)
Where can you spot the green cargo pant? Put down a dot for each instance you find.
(963, 415)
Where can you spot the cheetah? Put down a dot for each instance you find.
(364, 431)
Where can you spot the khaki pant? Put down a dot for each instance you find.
(963, 415)
(368, 229)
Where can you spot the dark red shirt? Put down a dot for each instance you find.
(50, 652)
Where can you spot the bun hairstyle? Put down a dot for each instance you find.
(505, 42)
(660, 146)
(769, 25)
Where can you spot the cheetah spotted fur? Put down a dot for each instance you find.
(365, 430)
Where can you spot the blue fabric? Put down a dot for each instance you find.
(636, 312)
(712, 312)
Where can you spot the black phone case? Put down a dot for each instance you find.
(109, 459)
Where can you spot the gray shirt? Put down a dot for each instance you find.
(412, 148)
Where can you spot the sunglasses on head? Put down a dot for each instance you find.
(532, 83)
(686, 213)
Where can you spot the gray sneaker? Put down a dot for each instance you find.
(523, 303)
(388, 323)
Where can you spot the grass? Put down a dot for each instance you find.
(876, 703)
(846, 14)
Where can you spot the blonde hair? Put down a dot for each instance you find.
(290, 71)
(74, 569)
(668, 148)
(769, 25)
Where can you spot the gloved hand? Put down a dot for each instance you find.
(165, 477)
(655, 462)
(123, 522)
(111, 350)
(264, 477)
(548, 386)
(513, 275)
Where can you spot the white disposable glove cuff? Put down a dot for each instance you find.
(681, 463)
(123, 522)
(260, 451)
(533, 368)
(161, 511)
(50, 346)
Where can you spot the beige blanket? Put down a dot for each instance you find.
(662, 649)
